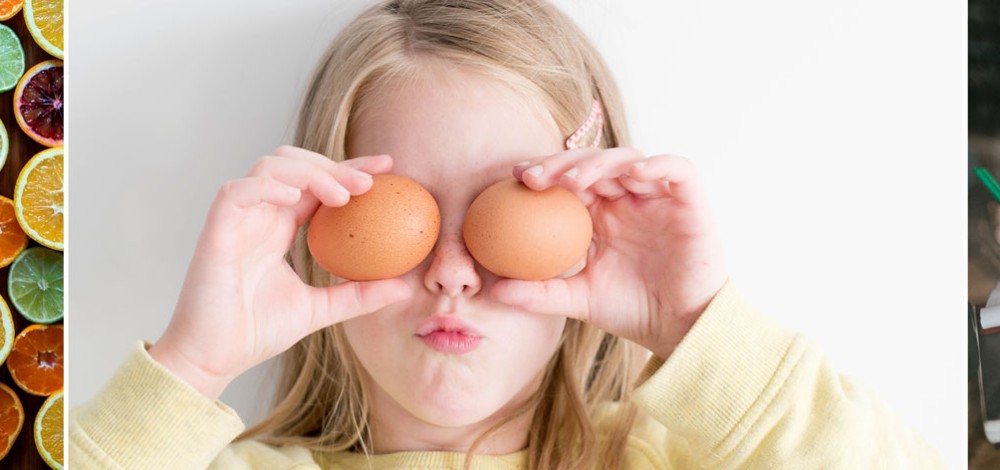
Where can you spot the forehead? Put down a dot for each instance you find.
(443, 121)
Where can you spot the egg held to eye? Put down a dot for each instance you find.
(516, 232)
(380, 234)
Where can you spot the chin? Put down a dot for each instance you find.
(452, 408)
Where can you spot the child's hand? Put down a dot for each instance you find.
(655, 262)
(241, 302)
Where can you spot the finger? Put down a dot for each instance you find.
(374, 164)
(645, 189)
(606, 164)
(301, 154)
(608, 189)
(357, 182)
(544, 173)
(332, 185)
(371, 164)
(675, 170)
(252, 191)
(564, 297)
(350, 299)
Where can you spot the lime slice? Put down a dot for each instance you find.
(35, 284)
(11, 59)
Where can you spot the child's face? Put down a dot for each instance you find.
(455, 133)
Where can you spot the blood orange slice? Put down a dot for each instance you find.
(38, 103)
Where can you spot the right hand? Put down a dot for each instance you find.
(241, 303)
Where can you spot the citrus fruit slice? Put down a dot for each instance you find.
(12, 237)
(6, 331)
(39, 199)
(4, 144)
(49, 430)
(11, 57)
(44, 19)
(38, 103)
(36, 360)
(9, 8)
(11, 419)
(35, 285)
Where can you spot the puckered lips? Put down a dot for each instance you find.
(449, 334)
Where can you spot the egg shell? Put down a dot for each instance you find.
(516, 232)
(380, 234)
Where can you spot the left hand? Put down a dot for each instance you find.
(655, 262)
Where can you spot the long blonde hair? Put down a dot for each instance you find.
(321, 401)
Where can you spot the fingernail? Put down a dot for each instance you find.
(343, 192)
(291, 192)
(535, 171)
(363, 175)
(572, 172)
(639, 165)
(524, 163)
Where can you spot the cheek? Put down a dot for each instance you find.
(537, 338)
(369, 336)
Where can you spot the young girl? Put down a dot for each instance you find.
(642, 356)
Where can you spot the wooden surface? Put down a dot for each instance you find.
(23, 455)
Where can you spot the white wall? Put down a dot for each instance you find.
(831, 137)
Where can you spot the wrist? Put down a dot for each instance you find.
(671, 339)
(682, 321)
(208, 384)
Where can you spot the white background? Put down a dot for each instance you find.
(831, 136)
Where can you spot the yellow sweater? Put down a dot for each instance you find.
(738, 392)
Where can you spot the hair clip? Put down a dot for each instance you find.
(590, 132)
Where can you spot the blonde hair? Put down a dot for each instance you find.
(321, 401)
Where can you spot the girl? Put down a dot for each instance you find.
(642, 356)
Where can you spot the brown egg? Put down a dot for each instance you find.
(516, 232)
(380, 234)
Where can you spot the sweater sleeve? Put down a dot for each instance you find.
(145, 417)
(743, 393)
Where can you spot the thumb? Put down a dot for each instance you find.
(350, 299)
(565, 297)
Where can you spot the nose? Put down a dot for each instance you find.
(452, 271)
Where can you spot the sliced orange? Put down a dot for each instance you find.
(38, 103)
(12, 238)
(39, 199)
(9, 8)
(44, 19)
(36, 360)
(6, 330)
(11, 419)
(49, 431)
